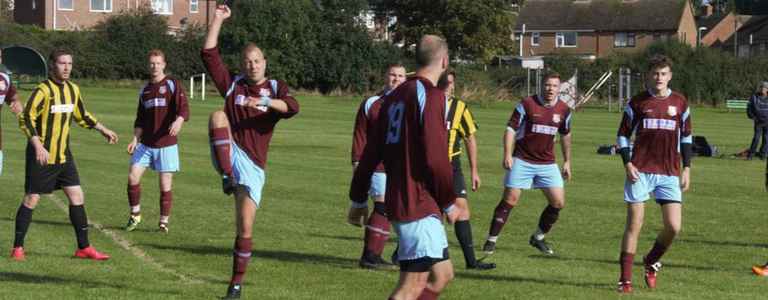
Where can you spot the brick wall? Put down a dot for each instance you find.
(82, 17)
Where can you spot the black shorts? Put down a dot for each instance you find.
(423, 264)
(459, 187)
(46, 179)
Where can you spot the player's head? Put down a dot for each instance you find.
(60, 61)
(447, 82)
(432, 52)
(551, 86)
(252, 63)
(156, 60)
(395, 75)
(763, 88)
(659, 73)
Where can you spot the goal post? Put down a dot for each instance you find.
(192, 80)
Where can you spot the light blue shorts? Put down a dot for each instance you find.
(245, 172)
(421, 238)
(525, 175)
(378, 184)
(664, 187)
(164, 160)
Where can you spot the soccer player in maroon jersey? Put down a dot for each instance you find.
(531, 135)
(660, 120)
(161, 112)
(410, 138)
(8, 96)
(240, 134)
(377, 225)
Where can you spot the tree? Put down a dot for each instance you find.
(477, 30)
(6, 9)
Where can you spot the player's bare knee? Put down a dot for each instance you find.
(31, 200)
(218, 119)
(559, 204)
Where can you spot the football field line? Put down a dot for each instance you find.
(126, 244)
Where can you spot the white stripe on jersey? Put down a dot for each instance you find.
(662, 124)
(154, 102)
(544, 129)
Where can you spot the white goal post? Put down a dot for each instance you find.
(192, 86)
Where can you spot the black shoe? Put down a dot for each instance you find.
(482, 266)
(374, 262)
(233, 292)
(489, 247)
(228, 185)
(541, 245)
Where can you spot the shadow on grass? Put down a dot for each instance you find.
(545, 281)
(392, 238)
(723, 243)
(284, 256)
(41, 222)
(82, 283)
(638, 263)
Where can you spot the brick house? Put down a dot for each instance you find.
(82, 14)
(597, 28)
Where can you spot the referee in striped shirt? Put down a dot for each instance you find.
(49, 162)
(462, 126)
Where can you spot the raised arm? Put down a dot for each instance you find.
(210, 53)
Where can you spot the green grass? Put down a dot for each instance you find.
(303, 248)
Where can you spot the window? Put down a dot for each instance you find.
(193, 6)
(565, 39)
(624, 39)
(66, 5)
(101, 5)
(162, 7)
(535, 38)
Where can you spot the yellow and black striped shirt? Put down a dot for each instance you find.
(48, 114)
(461, 123)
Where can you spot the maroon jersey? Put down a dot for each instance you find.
(251, 127)
(535, 127)
(365, 122)
(660, 125)
(7, 94)
(160, 104)
(410, 138)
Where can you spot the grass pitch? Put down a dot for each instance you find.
(303, 248)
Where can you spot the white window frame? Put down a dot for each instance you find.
(72, 8)
(197, 6)
(170, 9)
(560, 39)
(624, 40)
(90, 3)
(535, 39)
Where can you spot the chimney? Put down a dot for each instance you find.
(707, 10)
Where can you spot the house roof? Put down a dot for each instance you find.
(710, 21)
(602, 15)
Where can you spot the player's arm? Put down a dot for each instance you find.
(628, 122)
(28, 120)
(435, 135)
(137, 127)
(284, 105)
(508, 140)
(686, 148)
(210, 53)
(12, 100)
(751, 107)
(469, 129)
(86, 120)
(359, 135)
(361, 180)
(182, 110)
(565, 145)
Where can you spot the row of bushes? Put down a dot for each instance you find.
(324, 50)
(705, 75)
